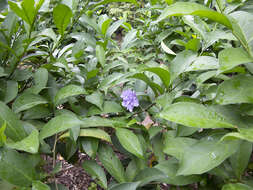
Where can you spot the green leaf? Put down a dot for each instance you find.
(166, 49)
(101, 122)
(163, 74)
(188, 8)
(14, 129)
(11, 91)
(38, 185)
(40, 79)
(232, 57)
(125, 186)
(129, 39)
(236, 186)
(58, 124)
(90, 146)
(111, 1)
(239, 161)
(96, 133)
(210, 153)
(176, 146)
(16, 168)
(37, 112)
(26, 101)
(92, 168)
(2, 135)
(111, 162)
(105, 26)
(29, 144)
(147, 175)
(114, 27)
(240, 27)
(181, 63)
(152, 85)
(62, 15)
(236, 90)
(203, 63)
(68, 91)
(129, 141)
(96, 98)
(170, 167)
(194, 115)
(100, 53)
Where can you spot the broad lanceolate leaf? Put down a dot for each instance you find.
(29, 144)
(181, 63)
(26, 101)
(14, 129)
(92, 168)
(129, 39)
(188, 8)
(236, 186)
(96, 98)
(68, 91)
(163, 74)
(96, 133)
(40, 79)
(100, 53)
(125, 186)
(111, 1)
(111, 162)
(129, 141)
(11, 91)
(16, 168)
(239, 160)
(232, 57)
(90, 146)
(38, 185)
(62, 16)
(239, 89)
(210, 153)
(194, 115)
(240, 24)
(170, 167)
(58, 124)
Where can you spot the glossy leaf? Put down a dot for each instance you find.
(188, 8)
(96, 133)
(26, 101)
(14, 128)
(11, 91)
(96, 98)
(100, 53)
(16, 168)
(40, 79)
(236, 186)
(68, 91)
(111, 162)
(163, 74)
(62, 16)
(129, 141)
(38, 185)
(236, 90)
(232, 57)
(92, 168)
(90, 146)
(58, 124)
(194, 115)
(29, 144)
(208, 152)
(125, 186)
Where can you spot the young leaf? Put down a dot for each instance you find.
(62, 16)
(92, 168)
(129, 141)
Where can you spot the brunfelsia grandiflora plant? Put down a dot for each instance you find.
(166, 84)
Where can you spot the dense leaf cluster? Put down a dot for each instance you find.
(64, 66)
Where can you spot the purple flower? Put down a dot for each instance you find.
(129, 99)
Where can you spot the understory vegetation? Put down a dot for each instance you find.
(157, 93)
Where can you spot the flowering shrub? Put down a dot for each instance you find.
(63, 67)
